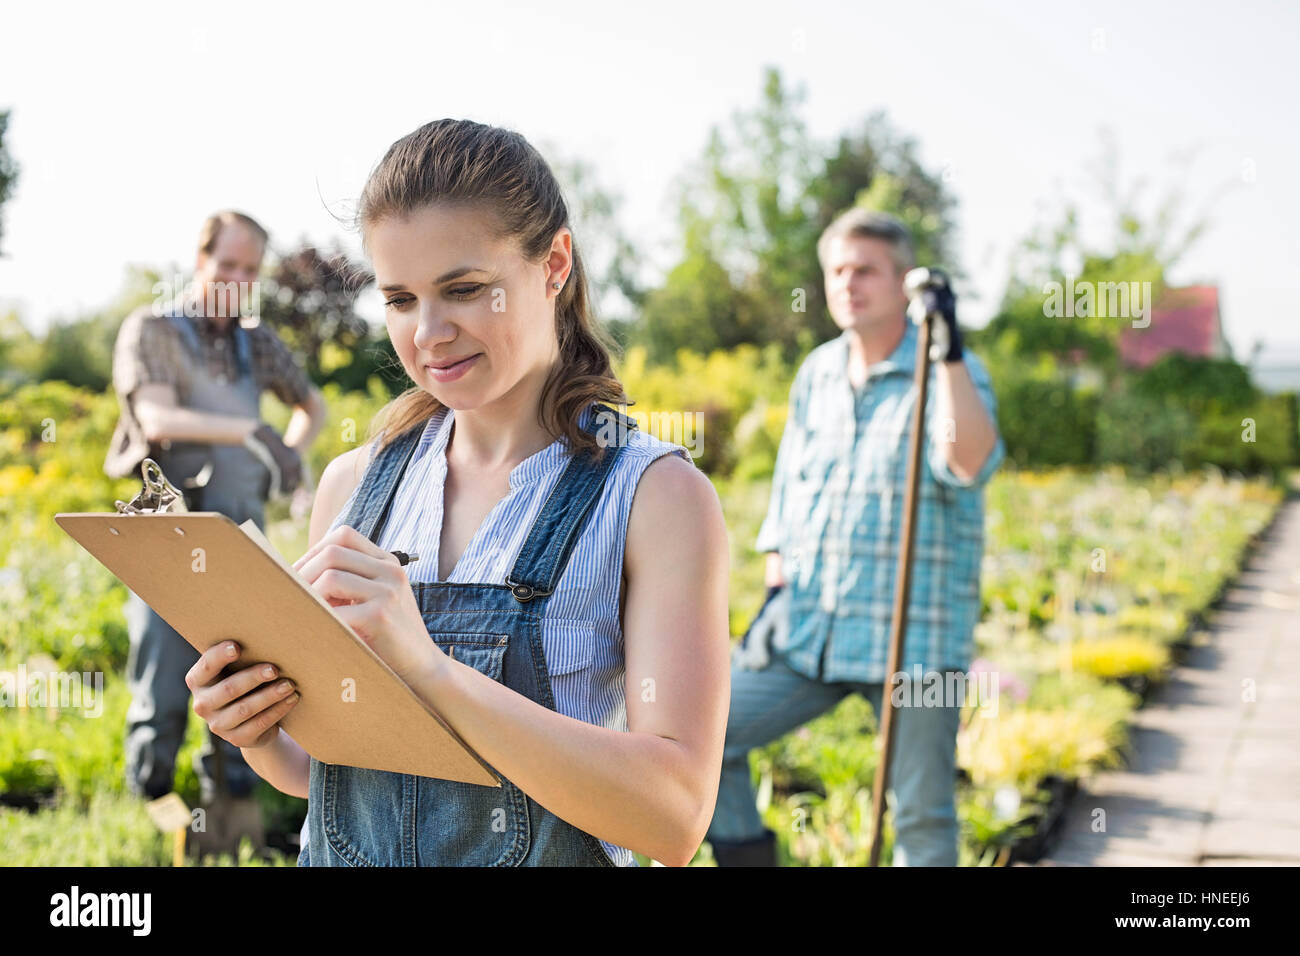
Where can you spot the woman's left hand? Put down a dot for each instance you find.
(370, 592)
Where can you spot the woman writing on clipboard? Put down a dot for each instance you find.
(567, 615)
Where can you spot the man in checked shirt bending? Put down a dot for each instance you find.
(832, 536)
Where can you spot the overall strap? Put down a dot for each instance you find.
(379, 482)
(190, 337)
(546, 550)
(243, 353)
(243, 350)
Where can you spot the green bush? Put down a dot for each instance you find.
(1261, 436)
(1149, 433)
(1120, 656)
(1140, 432)
(1193, 381)
(735, 398)
(1044, 423)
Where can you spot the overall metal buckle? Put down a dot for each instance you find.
(524, 592)
(158, 496)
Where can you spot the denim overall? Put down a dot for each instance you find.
(159, 658)
(358, 817)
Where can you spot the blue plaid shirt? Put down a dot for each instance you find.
(836, 517)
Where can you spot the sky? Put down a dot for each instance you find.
(131, 122)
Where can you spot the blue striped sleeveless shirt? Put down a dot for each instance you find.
(582, 632)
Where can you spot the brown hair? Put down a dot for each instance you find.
(463, 162)
(870, 224)
(211, 228)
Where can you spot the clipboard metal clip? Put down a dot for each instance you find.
(158, 496)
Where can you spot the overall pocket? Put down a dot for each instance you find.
(378, 818)
(363, 817)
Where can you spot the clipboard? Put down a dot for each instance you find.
(213, 580)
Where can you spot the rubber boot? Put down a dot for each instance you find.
(761, 851)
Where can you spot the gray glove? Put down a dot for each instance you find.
(282, 461)
(770, 629)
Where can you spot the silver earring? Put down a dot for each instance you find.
(555, 285)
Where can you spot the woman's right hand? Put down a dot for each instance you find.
(239, 708)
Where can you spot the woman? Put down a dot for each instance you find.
(603, 563)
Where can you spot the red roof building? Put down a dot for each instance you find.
(1185, 320)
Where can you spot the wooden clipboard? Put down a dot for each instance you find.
(214, 580)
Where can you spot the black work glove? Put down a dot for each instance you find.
(282, 461)
(770, 630)
(945, 335)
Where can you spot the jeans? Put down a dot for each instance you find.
(160, 709)
(768, 703)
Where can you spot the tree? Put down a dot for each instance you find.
(8, 171)
(309, 299)
(1135, 246)
(696, 308)
(80, 351)
(746, 212)
(751, 212)
(877, 168)
(608, 255)
(19, 351)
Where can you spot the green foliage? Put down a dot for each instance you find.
(1170, 542)
(1195, 382)
(114, 830)
(1140, 432)
(1149, 432)
(1022, 746)
(986, 832)
(72, 751)
(1044, 424)
(1120, 656)
(697, 308)
(80, 352)
(77, 351)
(1023, 328)
(1058, 690)
(736, 398)
(1261, 436)
(308, 298)
(1182, 411)
(1137, 244)
(609, 258)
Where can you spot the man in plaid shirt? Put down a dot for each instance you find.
(832, 536)
(189, 376)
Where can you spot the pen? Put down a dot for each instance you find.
(403, 558)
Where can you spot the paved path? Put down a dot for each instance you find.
(1215, 779)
